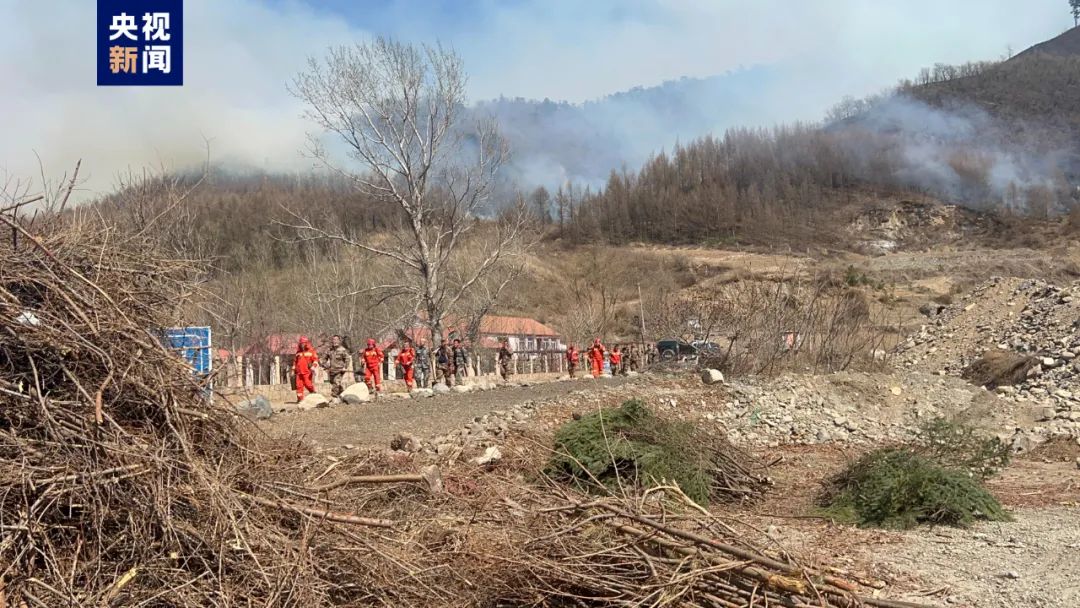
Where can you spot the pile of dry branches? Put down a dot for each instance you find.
(119, 482)
(658, 552)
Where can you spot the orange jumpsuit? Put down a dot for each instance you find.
(303, 365)
(373, 358)
(616, 360)
(406, 359)
(596, 358)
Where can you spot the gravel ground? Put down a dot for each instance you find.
(375, 423)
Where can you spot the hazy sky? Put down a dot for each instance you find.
(239, 54)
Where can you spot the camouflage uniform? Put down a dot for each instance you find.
(423, 367)
(461, 363)
(337, 363)
(444, 362)
(506, 359)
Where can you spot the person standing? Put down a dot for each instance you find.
(615, 357)
(506, 360)
(406, 359)
(444, 360)
(596, 358)
(573, 357)
(337, 363)
(423, 365)
(461, 361)
(304, 364)
(372, 358)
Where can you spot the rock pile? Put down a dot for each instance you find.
(1028, 317)
(847, 407)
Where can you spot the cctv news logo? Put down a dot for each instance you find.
(140, 42)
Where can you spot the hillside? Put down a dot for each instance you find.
(1065, 45)
(1033, 95)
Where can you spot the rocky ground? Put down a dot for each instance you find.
(1024, 316)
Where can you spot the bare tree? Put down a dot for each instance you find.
(1074, 5)
(398, 110)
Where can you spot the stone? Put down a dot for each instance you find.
(490, 456)
(1005, 390)
(313, 401)
(421, 393)
(896, 390)
(440, 388)
(461, 388)
(255, 409)
(1049, 363)
(1044, 413)
(405, 443)
(712, 376)
(356, 393)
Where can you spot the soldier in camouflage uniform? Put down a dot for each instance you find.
(444, 362)
(461, 361)
(423, 365)
(336, 363)
(506, 360)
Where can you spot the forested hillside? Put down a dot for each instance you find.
(988, 136)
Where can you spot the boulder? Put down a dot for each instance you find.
(255, 409)
(356, 393)
(421, 393)
(490, 456)
(1044, 413)
(712, 376)
(440, 388)
(461, 388)
(313, 401)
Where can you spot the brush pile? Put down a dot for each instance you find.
(121, 484)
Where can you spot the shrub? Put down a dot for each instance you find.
(632, 446)
(899, 488)
(960, 446)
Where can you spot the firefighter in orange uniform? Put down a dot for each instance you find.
(373, 358)
(596, 358)
(573, 357)
(304, 364)
(616, 361)
(406, 359)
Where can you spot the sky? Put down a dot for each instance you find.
(240, 55)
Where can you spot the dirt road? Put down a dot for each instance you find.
(376, 422)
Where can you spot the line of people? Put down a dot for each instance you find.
(451, 363)
(620, 362)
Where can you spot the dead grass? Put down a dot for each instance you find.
(999, 368)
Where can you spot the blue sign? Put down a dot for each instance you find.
(140, 42)
(193, 344)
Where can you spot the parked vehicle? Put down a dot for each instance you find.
(671, 350)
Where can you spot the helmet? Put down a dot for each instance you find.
(596, 341)
(304, 340)
(371, 343)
